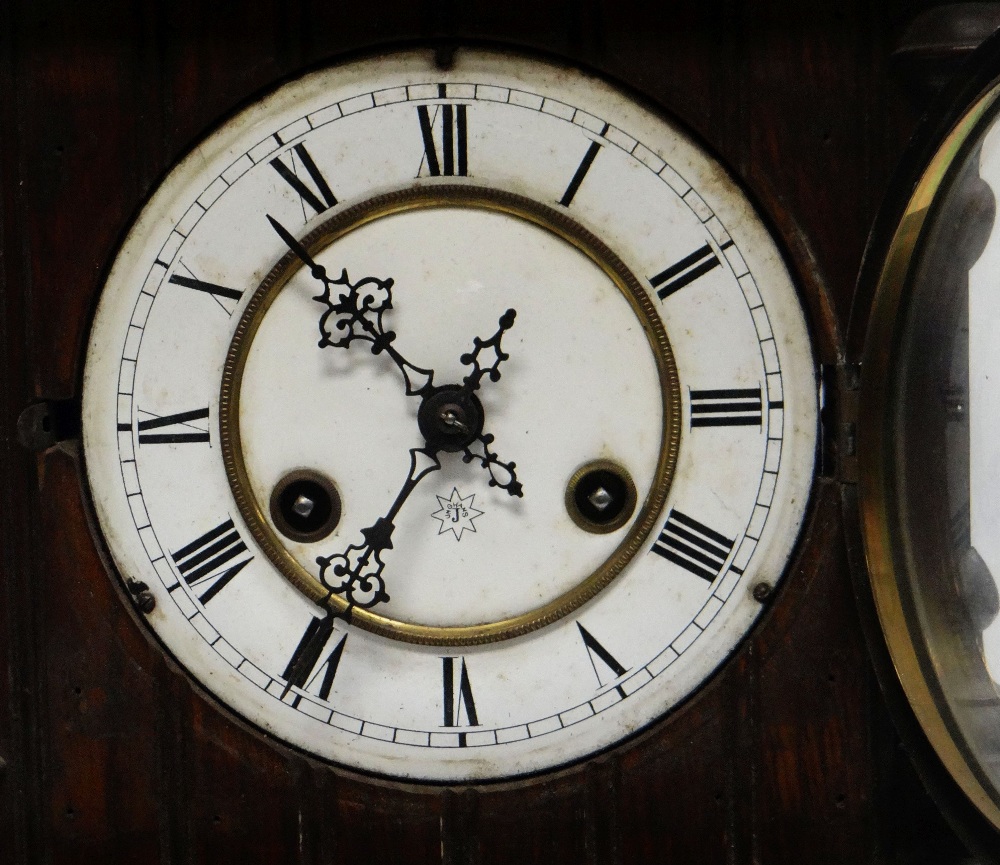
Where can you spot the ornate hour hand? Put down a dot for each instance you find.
(472, 380)
(501, 473)
(357, 572)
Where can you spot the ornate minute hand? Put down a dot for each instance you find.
(357, 572)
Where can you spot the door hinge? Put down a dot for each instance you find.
(840, 387)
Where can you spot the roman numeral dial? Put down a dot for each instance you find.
(319, 196)
(692, 545)
(444, 132)
(390, 524)
(211, 561)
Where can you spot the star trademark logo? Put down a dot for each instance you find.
(456, 513)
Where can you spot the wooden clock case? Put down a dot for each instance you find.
(110, 753)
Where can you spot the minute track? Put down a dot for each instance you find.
(390, 724)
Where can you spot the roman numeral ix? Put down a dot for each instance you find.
(212, 560)
(184, 431)
(694, 546)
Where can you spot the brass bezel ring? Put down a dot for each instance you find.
(877, 493)
(453, 196)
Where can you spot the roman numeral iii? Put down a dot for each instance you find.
(726, 407)
(694, 546)
(454, 143)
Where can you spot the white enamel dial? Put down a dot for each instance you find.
(655, 335)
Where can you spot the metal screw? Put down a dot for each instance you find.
(600, 498)
(144, 599)
(762, 591)
(303, 506)
(452, 416)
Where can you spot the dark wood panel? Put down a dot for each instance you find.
(113, 755)
(96, 737)
(18, 826)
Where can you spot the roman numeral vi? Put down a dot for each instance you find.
(458, 696)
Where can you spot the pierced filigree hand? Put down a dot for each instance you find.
(354, 312)
(501, 473)
(450, 415)
(357, 572)
(450, 419)
(471, 382)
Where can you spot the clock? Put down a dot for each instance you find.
(927, 455)
(126, 735)
(449, 424)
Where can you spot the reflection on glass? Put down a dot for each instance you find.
(945, 393)
(982, 562)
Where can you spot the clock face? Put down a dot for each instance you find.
(451, 418)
